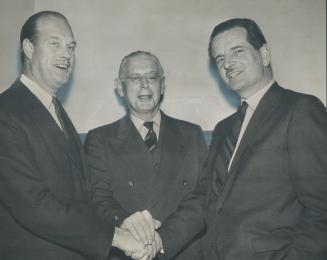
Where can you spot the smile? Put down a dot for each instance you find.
(145, 97)
(233, 73)
(62, 66)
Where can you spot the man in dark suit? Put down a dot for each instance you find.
(268, 195)
(44, 183)
(145, 166)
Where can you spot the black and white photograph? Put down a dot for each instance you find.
(165, 130)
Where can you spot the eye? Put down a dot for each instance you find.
(135, 78)
(71, 48)
(238, 51)
(54, 44)
(153, 77)
(220, 61)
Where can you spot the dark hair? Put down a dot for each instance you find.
(29, 29)
(254, 35)
(137, 53)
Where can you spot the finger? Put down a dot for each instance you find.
(149, 225)
(141, 226)
(156, 223)
(131, 228)
(141, 254)
(153, 249)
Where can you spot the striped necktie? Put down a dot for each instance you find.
(230, 142)
(60, 115)
(150, 139)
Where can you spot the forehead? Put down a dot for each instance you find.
(141, 64)
(52, 26)
(236, 36)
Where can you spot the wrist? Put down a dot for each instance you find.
(119, 233)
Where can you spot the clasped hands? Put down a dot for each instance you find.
(142, 241)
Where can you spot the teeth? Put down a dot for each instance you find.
(232, 74)
(62, 66)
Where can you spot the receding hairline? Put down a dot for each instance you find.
(136, 54)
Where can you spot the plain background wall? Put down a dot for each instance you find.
(177, 31)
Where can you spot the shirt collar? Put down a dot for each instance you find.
(254, 100)
(39, 92)
(139, 122)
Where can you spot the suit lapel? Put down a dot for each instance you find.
(252, 133)
(47, 129)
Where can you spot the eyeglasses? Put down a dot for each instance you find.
(137, 79)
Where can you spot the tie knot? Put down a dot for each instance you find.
(148, 125)
(243, 107)
(55, 101)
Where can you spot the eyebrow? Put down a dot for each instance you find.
(233, 48)
(57, 38)
(236, 47)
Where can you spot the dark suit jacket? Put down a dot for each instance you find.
(124, 181)
(44, 187)
(274, 203)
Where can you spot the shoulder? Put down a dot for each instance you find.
(182, 125)
(300, 102)
(10, 99)
(106, 130)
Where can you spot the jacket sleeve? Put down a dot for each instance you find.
(187, 221)
(26, 195)
(307, 151)
(103, 198)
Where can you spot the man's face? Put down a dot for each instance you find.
(239, 64)
(52, 54)
(142, 85)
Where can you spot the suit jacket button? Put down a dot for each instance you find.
(184, 182)
(131, 183)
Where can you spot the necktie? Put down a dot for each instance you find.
(150, 139)
(60, 115)
(230, 142)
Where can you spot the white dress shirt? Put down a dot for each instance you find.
(253, 102)
(42, 95)
(138, 123)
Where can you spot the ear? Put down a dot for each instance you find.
(28, 48)
(265, 55)
(163, 85)
(119, 87)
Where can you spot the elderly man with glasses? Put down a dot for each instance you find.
(146, 165)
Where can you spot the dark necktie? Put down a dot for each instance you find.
(60, 115)
(230, 142)
(150, 139)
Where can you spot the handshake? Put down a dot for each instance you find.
(137, 236)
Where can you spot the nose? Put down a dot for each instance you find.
(228, 61)
(65, 52)
(144, 82)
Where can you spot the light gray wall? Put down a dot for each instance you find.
(177, 31)
(13, 14)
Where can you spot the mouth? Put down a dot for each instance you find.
(62, 66)
(144, 97)
(233, 73)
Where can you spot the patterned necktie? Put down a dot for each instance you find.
(150, 139)
(230, 142)
(60, 115)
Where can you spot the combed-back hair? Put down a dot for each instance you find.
(254, 35)
(29, 29)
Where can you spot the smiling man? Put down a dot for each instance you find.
(145, 166)
(268, 194)
(45, 210)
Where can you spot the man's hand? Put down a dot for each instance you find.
(125, 241)
(142, 226)
(156, 246)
